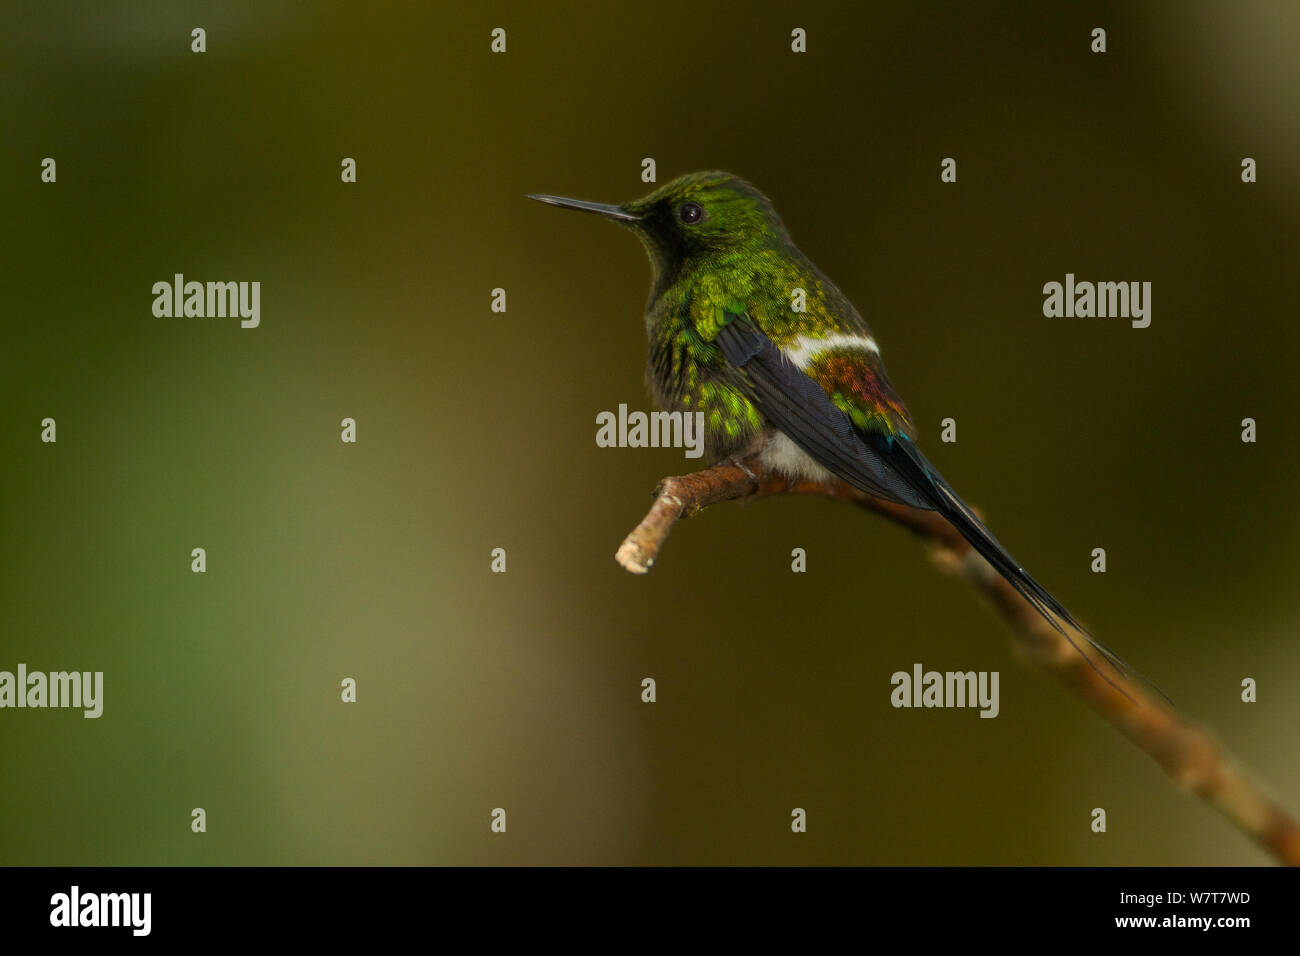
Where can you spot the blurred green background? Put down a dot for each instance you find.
(476, 430)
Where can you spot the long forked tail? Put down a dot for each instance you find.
(916, 469)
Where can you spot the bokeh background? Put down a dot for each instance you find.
(476, 430)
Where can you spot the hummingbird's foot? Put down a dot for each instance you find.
(737, 461)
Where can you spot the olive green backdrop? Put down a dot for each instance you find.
(476, 430)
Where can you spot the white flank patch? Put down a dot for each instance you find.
(802, 351)
(783, 456)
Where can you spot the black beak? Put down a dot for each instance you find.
(600, 208)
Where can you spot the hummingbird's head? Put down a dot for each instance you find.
(695, 217)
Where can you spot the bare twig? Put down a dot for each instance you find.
(1186, 751)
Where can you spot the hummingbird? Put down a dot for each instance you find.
(743, 327)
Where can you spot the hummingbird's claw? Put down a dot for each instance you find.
(735, 461)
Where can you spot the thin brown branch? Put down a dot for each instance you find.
(1187, 751)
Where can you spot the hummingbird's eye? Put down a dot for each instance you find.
(690, 212)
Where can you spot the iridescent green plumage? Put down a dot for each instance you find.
(744, 328)
(739, 259)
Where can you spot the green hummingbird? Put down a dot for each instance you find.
(744, 328)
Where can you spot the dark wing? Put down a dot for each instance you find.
(800, 407)
(888, 466)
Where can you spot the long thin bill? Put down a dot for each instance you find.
(600, 208)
